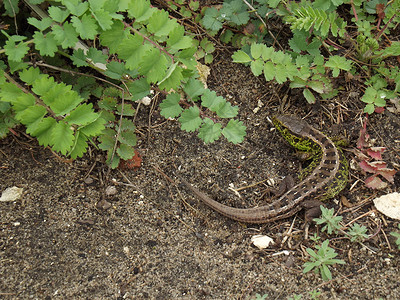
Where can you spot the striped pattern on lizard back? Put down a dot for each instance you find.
(327, 179)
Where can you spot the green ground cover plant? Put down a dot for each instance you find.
(130, 46)
(324, 45)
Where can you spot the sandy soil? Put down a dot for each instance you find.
(157, 241)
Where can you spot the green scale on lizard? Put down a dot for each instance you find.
(305, 144)
(324, 178)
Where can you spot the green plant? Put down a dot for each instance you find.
(397, 236)
(143, 50)
(321, 260)
(315, 238)
(314, 294)
(313, 24)
(64, 125)
(358, 233)
(295, 297)
(260, 297)
(331, 222)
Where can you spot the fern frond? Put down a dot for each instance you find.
(306, 18)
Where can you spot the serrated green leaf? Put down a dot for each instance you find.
(132, 51)
(31, 116)
(15, 52)
(127, 125)
(256, 50)
(139, 88)
(209, 131)
(226, 36)
(65, 35)
(128, 110)
(23, 102)
(108, 103)
(280, 73)
(97, 56)
(62, 138)
(392, 50)
(177, 40)
(114, 163)
(140, 10)
(153, 65)
(227, 110)
(337, 63)
(61, 99)
(172, 80)
(79, 146)
(103, 18)
(115, 70)
(114, 37)
(57, 14)
(317, 86)
(79, 58)
(190, 120)
(42, 131)
(235, 11)
(40, 24)
(107, 139)
(93, 129)
(76, 8)
(83, 114)
(42, 85)
(16, 66)
(267, 53)
(269, 71)
(194, 88)
(9, 92)
(210, 19)
(46, 45)
(160, 24)
(241, 57)
(128, 137)
(369, 108)
(125, 152)
(86, 26)
(11, 8)
(257, 67)
(170, 107)
(234, 131)
(212, 101)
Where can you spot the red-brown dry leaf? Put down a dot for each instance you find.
(134, 162)
(375, 182)
(380, 10)
(387, 173)
(371, 167)
(376, 152)
(364, 136)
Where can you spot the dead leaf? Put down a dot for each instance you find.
(375, 182)
(376, 152)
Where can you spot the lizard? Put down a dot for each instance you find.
(325, 177)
